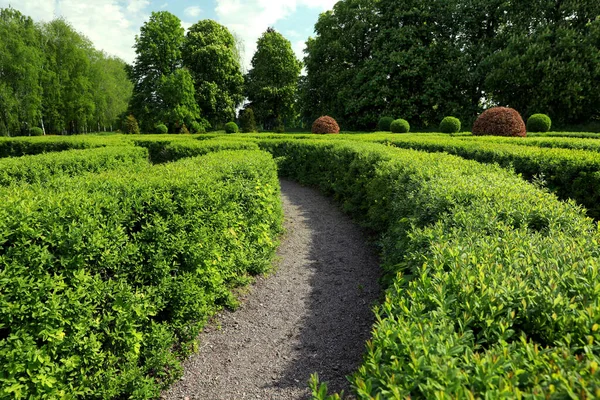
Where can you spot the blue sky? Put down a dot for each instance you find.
(113, 24)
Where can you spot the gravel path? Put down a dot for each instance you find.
(312, 315)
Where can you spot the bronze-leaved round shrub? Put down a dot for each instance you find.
(325, 124)
(500, 121)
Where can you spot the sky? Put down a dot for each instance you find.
(113, 24)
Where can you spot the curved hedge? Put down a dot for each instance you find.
(491, 281)
(107, 279)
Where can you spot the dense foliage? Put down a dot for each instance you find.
(425, 59)
(231, 127)
(400, 126)
(163, 90)
(500, 121)
(247, 120)
(491, 281)
(539, 123)
(325, 124)
(209, 52)
(385, 124)
(51, 77)
(271, 83)
(118, 277)
(450, 125)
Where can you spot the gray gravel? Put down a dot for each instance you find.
(312, 315)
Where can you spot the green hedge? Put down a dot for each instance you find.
(22, 146)
(170, 150)
(107, 279)
(42, 167)
(492, 283)
(571, 174)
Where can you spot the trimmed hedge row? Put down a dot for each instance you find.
(166, 150)
(571, 174)
(22, 146)
(492, 283)
(552, 142)
(42, 167)
(107, 279)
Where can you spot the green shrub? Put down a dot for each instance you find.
(400, 126)
(35, 131)
(196, 127)
(124, 276)
(247, 120)
(162, 151)
(450, 125)
(490, 280)
(43, 167)
(385, 124)
(539, 123)
(130, 125)
(161, 129)
(231, 127)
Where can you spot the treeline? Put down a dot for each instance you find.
(53, 80)
(193, 82)
(423, 60)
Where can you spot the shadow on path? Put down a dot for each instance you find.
(312, 315)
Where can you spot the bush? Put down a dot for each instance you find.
(35, 131)
(231, 127)
(247, 120)
(325, 124)
(500, 121)
(196, 127)
(125, 276)
(130, 125)
(400, 126)
(385, 124)
(161, 129)
(184, 130)
(539, 123)
(450, 125)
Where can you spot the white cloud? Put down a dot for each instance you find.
(110, 24)
(193, 11)
(250, 18)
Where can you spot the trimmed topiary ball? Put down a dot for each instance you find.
(231, 127)
(161, 129)
(385, 124)
(400, 126)
(500, 121)
(450, 125)
(35, 131)
(539, 123)
(324, 125)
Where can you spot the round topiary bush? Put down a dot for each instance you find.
(539, 123)
(400, 126)
(35, 131)
(385, 124)
(161, 129)
(450, 125)
(231, 127)
(500, 121)
(324, 125)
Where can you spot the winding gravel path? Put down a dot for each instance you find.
(312, 315)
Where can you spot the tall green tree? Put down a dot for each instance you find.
(550, 61)
(272, 82)
(21, 62)
(156, 69)
(211, 55)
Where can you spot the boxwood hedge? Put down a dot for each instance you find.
(492, 282)
(107, 278)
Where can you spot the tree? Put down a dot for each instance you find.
(271, 83)
(211, 56)
(155, 73)
(20, 67)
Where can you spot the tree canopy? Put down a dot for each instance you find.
(271, 83)
(211, 55)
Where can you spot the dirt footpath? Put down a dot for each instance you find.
(312, 315)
